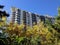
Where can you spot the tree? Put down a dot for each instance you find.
(3, 18)
(56, 25)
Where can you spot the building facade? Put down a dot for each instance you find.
(28, 18)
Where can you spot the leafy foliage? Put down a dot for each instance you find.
(39, 34)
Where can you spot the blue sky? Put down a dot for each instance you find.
(36, 6)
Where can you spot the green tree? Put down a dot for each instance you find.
(56, 25)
